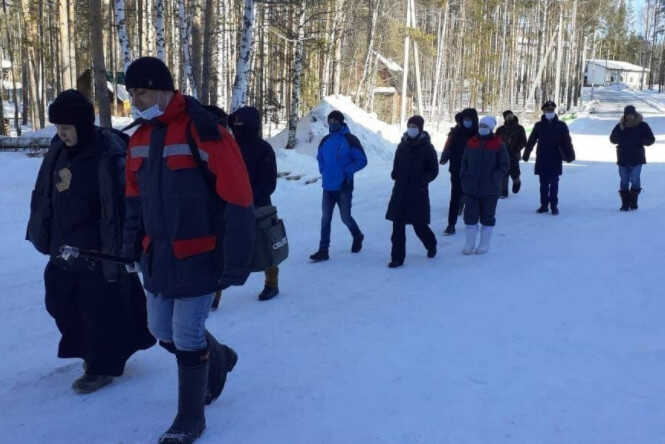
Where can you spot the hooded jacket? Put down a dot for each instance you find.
(513, 136)
(340, 156)
(484, 165)
(453, 150)
(631, 140)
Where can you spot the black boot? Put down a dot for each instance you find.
(357, 244)
(517, 184)
(395, 264)
(634, 193)
(543, 209)
(222, 360)
(268, 293)
(190, 421)
(555, 209)
(625, 200)
(216, 301)
(450, 230)
(431, 252)
(320, 256)
(89, 383)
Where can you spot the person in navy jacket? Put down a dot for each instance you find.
(340, 156)
(554, 147)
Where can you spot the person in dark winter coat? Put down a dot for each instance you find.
(554, 146)
(484, 165)
(190, 221)
(453, 151)
(262, 168)
(340, 156)
(415, 166)
(514, 138)
(79, 201)
(631, 135)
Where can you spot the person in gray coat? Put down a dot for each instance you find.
(484, 165)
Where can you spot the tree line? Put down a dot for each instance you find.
(284, 56)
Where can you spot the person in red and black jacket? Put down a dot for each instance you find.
(191, 222)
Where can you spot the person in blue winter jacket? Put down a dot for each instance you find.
(340, 156)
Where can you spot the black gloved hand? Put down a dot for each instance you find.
(525, 157)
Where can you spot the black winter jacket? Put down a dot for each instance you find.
(631, 140)
(415, 166)
(79, 199)
(259, 156)
(484, 166)
(513, 136)
(554, 146)
(453, 151)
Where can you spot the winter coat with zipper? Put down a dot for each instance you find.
(194, 223)
(631, 140)
(513, 136)
(258, 154)
(414, 167)
(484, 165)
(453, 150)
(340, 156)
(554, 146)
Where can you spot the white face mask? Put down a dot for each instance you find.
(484, 131)
(149, 113)
(467, 123)
(550, 116)
(413, 132)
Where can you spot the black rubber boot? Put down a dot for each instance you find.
(625, 200)
(357, 244)
(268, 293)
(634, 193)
(320, 256)
(190, 421)
(222, 361)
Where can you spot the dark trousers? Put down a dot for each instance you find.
(481, 209)
(343, 199)
(100, 322)
(549, 189)
(513, 172)
(424, 233)
(455, 198)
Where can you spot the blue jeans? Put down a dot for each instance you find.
(343, 199)
(630, 177)
(181, 321)
(549, 189)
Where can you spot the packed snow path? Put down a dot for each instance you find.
(556, 336)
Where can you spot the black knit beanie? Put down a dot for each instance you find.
(149, 73)
(548, 104)
(630, 109)
(71, 108)
(506, 113)
(337, 115)
(416, 120)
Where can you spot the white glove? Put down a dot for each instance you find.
(133, 268)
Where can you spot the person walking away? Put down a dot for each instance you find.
(340, 156)
(484, 165)
(554, 146)
(262, 168)
(453, 151)
(78, 201)
(415, 166)
(514, 138)
(630, 136)
(191, 238)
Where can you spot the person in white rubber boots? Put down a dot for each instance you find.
(484, 165)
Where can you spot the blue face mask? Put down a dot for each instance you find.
(412, 132)
(149, 113)
(334, 127)
(484, 131)
(467, 123)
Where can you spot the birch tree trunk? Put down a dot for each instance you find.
(97, 41)
(405, 69)
(441, 45)
(539, 74)
(416, 55)
(66, 71)
(559, 56)
(206, 72)
(370, 52)
(297, 74)
(184, 25)
(123, 39)
(239, 97)
(160, 41)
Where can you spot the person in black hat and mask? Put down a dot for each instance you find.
(453, 151)
(554, 147)
(514, 138)
(262, 168)
(631, 135)
(415, 166)
(79, 201)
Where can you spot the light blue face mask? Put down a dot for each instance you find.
(412, 132)
(147, 114)
(484, 131)
(467, 123)
(550, 116)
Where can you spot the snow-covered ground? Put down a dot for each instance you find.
(556, 336)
